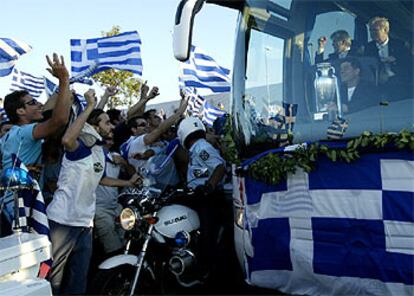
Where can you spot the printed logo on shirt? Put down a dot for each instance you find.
(198, 173)
(204, 155)
(98, 167)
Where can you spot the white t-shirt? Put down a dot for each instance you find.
(137, 145)
(74, 201)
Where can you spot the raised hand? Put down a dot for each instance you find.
(110, 91)
(322, 42)
(183, 104)
(144, 91)
(57, 67)
(90, 97)
(153, 93)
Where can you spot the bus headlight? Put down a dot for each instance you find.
(128, 218)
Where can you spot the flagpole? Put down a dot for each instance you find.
(267, 49)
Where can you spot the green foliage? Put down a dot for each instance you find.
(230, 149)
(128, 86)
(273, 168)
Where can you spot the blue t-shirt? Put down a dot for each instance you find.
(30, 149)
(19, 140)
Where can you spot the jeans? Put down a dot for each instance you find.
(71, 251)
(110, 234)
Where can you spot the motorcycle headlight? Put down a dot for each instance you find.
(128, 218)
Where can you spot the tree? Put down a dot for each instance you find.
(128, 86)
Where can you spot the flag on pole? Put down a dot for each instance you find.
(282, 123)
(121, 52)
(201, 71)
(211, 113)
(195, 102)
(24, 81)
(10, 50)
(337, 129)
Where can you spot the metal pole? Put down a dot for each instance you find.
(267, 49)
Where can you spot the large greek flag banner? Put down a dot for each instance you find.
(202, 72)
(121, 52)
(343, 229)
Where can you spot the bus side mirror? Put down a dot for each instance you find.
(183, 27)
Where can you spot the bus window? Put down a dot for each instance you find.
(264, 79)
(347, 81)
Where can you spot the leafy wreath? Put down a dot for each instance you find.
(274, 168)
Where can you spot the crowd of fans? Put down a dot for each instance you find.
(83, 156)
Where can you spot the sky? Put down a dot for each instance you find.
(48, 26)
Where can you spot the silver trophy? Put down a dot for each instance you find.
(327, 95)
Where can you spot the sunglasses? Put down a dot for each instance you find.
(143, 124)
(32, 102)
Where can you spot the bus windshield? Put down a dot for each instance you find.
(320, 70)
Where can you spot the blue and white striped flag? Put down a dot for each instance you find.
(50, 87)
(211, 113)
(10, 51)
(121, 52)
(195, 102)
(24, 81)
(79, 104)
(202, 72)
(32, 213)
(337, 129)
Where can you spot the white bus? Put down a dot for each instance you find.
(338, 76)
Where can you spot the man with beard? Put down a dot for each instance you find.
(72, 209)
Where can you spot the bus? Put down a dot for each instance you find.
(321, 114)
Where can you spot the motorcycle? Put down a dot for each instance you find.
(162, 246)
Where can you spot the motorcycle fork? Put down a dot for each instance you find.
(141, 257)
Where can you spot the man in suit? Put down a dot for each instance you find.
(342, 44)
(356, 93)
(395, 69)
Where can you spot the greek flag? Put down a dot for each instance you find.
(211, 113)
(32, 213)
(79, 104)
(202, 72)
(337, 129)
(10, 51)
(50, 87)
(195, 102)
(281, 124)
(121, 52)
(24, 81)
(343, 229)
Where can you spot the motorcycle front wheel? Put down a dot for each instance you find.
(118, 281)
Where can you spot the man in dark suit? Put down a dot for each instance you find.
(356, 94)
(395, 71)
(342, 44)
